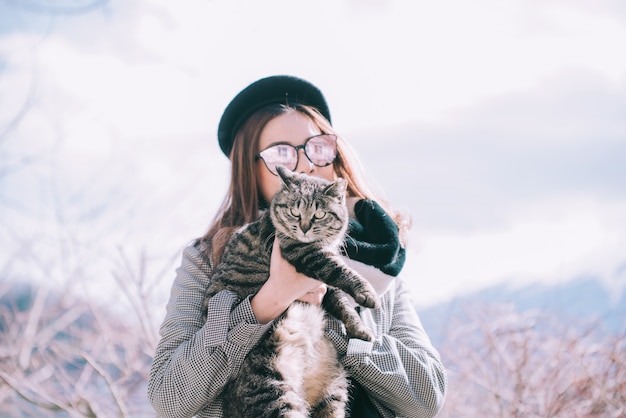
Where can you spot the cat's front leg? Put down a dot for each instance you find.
(330, 269)
(339, 305)
(351, 282)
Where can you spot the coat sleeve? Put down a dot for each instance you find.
(194, 359)
(401, 370)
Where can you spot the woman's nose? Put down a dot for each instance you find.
(304, 164)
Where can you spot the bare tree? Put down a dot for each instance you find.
(505, 363)
(65, 355)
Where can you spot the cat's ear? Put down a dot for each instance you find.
(285, 174)
(337, 188)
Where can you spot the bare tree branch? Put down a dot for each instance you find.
(110, 383)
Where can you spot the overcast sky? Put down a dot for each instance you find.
(499, 126)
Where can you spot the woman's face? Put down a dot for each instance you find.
(294, 128)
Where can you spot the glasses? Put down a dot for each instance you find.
(321, 150)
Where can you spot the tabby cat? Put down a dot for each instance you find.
(294, 371)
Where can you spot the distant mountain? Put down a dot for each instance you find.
(580, 301)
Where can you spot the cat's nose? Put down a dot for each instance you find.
(305, 226)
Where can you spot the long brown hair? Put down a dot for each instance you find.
(242, 202)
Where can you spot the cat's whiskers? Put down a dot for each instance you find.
(269, 240)
(344, 244)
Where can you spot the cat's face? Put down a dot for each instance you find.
(310, 209)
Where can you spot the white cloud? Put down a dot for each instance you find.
(421, 59)
(566, 240)
(431, 60)
(127, 103)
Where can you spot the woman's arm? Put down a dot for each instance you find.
(194, 360)
(284, 286)
(400, 370)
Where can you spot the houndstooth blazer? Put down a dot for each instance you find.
(400, 370)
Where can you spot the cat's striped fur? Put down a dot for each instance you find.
(294, 372)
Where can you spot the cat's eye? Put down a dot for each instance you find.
(295, 212)
(319, 214)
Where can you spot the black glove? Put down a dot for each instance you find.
(374, 238)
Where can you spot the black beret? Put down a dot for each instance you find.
(279, 89)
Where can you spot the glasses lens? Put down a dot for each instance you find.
(280, 154)
(322, 149)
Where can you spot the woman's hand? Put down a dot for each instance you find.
(315, 296)
(284, 286)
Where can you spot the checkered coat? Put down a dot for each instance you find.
(400, 370)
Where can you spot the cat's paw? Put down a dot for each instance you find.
(360, 331)
(367, 297)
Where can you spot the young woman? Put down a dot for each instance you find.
(285, 120)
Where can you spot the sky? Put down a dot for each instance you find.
(498, 126)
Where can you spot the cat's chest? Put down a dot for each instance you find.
(302, 324)
(305, 358)
(300, 336)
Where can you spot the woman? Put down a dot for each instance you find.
(286, 120)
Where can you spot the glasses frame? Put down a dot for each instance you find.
(297, 148)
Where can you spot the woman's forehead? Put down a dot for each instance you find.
(293, 127)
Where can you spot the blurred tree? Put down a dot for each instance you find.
(64, 355)
(505, 363)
